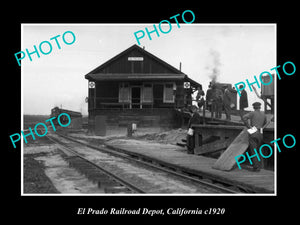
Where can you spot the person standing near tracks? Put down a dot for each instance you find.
(257, 121)
(190, 139)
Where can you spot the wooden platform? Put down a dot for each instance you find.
(176, 157)
(207, 119)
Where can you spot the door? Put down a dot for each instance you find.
(158, 93)
(136, 97)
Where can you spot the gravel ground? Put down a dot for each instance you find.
(149, 180)
(46, 171)
(67, 180)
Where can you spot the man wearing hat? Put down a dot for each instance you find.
(217, 101)
(257, 119)
(243, 100)
(195, 119)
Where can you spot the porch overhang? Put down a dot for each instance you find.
(140, 77)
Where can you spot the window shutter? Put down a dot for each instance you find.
(124, 92)
(168, 93)
(147, 93)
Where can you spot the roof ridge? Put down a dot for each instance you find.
(134, 46)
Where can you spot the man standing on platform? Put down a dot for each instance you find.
(190, 138)
(227, 101)
(217, 99)
(243, 100)
(209, 98)
(199, 98)
(257, 120)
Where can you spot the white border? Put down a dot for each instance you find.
(133, 24)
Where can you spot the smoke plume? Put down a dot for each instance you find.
(215, 64)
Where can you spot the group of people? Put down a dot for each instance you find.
(215, 100)
(218, 99)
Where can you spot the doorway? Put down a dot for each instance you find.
(136, 97)
(158, 93)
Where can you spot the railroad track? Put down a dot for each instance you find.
(211, 184)
(110, 182)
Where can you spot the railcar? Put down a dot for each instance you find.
(56, 111)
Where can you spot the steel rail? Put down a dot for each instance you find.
(114, 176)
(164, 169)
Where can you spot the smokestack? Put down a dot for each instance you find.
(180, 66)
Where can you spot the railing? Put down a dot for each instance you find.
(113, 103)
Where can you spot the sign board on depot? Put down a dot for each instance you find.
(135, 58)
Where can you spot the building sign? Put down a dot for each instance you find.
(91, 84)
(135, 58)
(186, 85)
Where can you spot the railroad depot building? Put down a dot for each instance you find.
(136, 87)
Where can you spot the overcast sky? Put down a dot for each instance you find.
(238, 51)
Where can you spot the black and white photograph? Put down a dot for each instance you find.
(114, 114)
(138, 114)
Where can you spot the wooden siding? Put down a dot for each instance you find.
(137, 104)
(158, 117)
(108, 92)
(149, 65)
(107, 89)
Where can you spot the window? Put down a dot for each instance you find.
(169, 93)
(147, 93)
(124, 92)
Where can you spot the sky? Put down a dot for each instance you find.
(235, 52)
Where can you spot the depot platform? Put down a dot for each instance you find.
(176, 157)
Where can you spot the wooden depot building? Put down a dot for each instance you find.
(136, 87)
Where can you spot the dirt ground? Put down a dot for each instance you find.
(166, 137)
(35, 179)
(155, 135)
(46, 172)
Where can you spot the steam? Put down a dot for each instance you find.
(215, 64)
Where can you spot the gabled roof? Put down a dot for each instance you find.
(136, 76)
(98, 73)
(143, 51)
